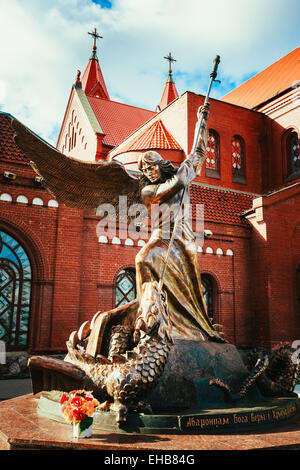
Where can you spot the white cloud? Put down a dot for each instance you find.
(2, 92)
(43, 43)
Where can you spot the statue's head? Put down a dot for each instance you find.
(149, 165)
(154, 168)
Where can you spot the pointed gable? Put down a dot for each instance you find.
(156, 136)
(92, 80)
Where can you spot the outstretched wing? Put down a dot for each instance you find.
(74, 182)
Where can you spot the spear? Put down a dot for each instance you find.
(198, 128)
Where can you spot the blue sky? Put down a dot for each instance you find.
(43, 43)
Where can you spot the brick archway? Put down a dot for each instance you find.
(40, 271)
(208, 277)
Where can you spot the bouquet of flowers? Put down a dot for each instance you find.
(78, 408)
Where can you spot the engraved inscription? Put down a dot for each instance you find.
(239, 419)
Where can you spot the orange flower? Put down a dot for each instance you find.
(81, 404)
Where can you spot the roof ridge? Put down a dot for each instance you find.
(221, 188)
(124, 104)
(163, 128)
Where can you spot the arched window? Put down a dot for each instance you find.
(209, 294)
(15, 289)
(125, 287)
(238, 159)
(292, 155)
(212, 164)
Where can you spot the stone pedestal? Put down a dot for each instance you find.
(22, 428)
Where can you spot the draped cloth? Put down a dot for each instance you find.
(182, 279)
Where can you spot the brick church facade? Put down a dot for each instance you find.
(56, 272)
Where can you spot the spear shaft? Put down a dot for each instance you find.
(198, 129)
(199, 123)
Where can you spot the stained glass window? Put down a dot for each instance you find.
(125, 287)
(15, 290)
(238, 159)
(212, 164)
(208, 292)
(292, 151)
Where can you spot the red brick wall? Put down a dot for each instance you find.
(274, 262)
(229, 120)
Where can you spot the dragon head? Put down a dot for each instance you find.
(153, 312)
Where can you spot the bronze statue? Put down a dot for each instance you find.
(164, 185)
(167, 267)
(120, 355)
(87, 185)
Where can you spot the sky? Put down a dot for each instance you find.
(44, 42)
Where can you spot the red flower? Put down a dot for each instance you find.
(88, 398)
(79, 415)
(63, 398)
(76, 401)
(79, 405)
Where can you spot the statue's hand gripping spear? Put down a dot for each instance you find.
(202, 115)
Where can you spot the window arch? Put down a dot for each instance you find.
(22, 199)
(15, 293)
(238, 159)
(37, 201)
(125, 287)
(5, 197)
(209, 293)
(212, 164)
(292, 155)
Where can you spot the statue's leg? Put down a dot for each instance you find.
(143, 263)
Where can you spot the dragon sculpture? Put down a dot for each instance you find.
(275, 373)
(122, 379)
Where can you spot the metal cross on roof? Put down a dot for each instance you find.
(96, 36)
(170, 59)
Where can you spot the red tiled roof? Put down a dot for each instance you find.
(118, 120)
(220, 205)
(169, 94)
(156, 136)
(271, 81)
(8, 148)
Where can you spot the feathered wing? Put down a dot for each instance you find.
(74, 182)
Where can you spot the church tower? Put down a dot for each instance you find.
(170, 92)
(92, 80)
(93, 124)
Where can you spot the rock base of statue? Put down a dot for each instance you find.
(184, 402)
(191, 364)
